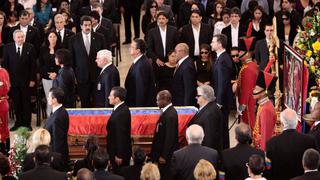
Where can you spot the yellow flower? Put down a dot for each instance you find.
(316, 46)
(313, 69)
(301, 46)
(309, 53)
(306, 63)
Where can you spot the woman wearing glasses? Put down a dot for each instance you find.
(204, 65)
(287, 29)
(149, 19)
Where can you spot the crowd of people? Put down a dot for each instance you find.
(213, 54)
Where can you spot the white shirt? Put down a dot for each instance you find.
(86, 35)
(116, 106)
(313, 170)
(136, 59)
(105, 67)
(196, 34)
(181, 60)
(219, 26)
(218, 54)
(165, 108)
(31, 22)
(163, 39)
(62, 34)
(235, 35)
(56, 108)
(17, 46)
(24, 29)
(316, 123)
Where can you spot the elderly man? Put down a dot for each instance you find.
(184, 79)
(286, 149)
(209, 117)
(310, 163)
(107, 79)
(63, 33)
(315, 129)
(185, 159)
(234, 159)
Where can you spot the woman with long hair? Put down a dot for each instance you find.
(217, 13)
(43, 12)
(4, 32)
(165, 73)
(150, 17)
(204, 65)
(256, 24)
(287, 29)
(12, 5)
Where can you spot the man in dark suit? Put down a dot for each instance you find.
(58, 124)
(222, 72)
(119, 130)
(165, 137)
(209, 117)
(184, 79)
(261, 52)
(310, 163)
(234, 159)
(140, 81)
(107, 79)
(315, 128)
(43, 169)
(161, 40)
(196, 33)
(235, 30)
(100, 163)
(105, 22)
(286, 149)
(184, 160)
(63, 33)
(84, 47)
(97, 27)
(36, 24)
(19, 60)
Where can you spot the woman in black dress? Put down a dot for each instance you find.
(165, 73)
(149, 19)
(204, 65)
(256, 23)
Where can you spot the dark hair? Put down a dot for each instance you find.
(38, 5)
(61, 1)
(64, 57)
(4, 165)
(7, 4)
(100, 159)
(162, 13)
(170, 52)
(46, 42)
(13, 13)
(215, 7)
(243, 134)
(311, 159)
(140, 45)
(119, 92)
(42, 154)
(139, 156)
(196, 12)
(222, 39)
(95, 15)
(208, 48)
(92, 144)
(4, 18)
(260, 9)
(85, 18)
(287, 14)
(235, 10)
(252, 5)
(256, 164)
(148, 7)
(225, 11)
(57, 93)
(24, 13)
(234, 48)
(268, 23)
(165, 95)
(61, 11)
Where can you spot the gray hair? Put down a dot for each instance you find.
(17, 31)
(57, 16)
(289, 119)
(105, 54)
(207, 92)
(195, 134)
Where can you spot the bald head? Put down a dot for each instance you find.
(315, 114)
(289, 119)
(85, 174)
(195, 134)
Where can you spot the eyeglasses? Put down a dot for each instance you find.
(285, 18)
(154, 6)
(235, 55)
(204, 52)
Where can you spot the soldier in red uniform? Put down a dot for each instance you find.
(4, 108)
(246, 81)
(266, 114)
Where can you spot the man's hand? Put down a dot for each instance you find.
(32, 83)
(162, 160)
(118, 160)
(159, 62)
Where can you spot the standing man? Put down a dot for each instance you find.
(222, 72)
(184, 81)
(19, 61)
(261, 52)
(84, 47)
(310, 163)
(209, 117)
(107, 79)
(246, 82)
(315, 128)
(58, 124)
(97, 27)
(165, 137)
(140, 81)
(63, 33)
(119, 130)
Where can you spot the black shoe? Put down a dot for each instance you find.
(14, 128)
(126, 42)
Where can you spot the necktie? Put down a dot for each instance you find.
(19, 52)
(87, 44)
(59, 36)
(177, 66)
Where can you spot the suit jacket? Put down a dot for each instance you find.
(155, 46)
(105, 175)
(108, 35)
(58, 126)
(260, 53)
(43, 172)
(227, 31)
(107, 23)
(119, 133)
(109, 9)
(66, 81)
(315, 133)
(185, 160)
(184, 84)
(66, 38)
(57, 163)
(84, 64)
(40, 27)
(131, 172)
(205, 37)
(308, 176)
(222, 72)
(21, 69)
(286, 150)
(234, 161)
(165, 137)
(108, 78)
(47, 63)
(32, 37)
(210, 119)
(140, 84)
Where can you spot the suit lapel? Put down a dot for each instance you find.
(92, 43)
(83, 46)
